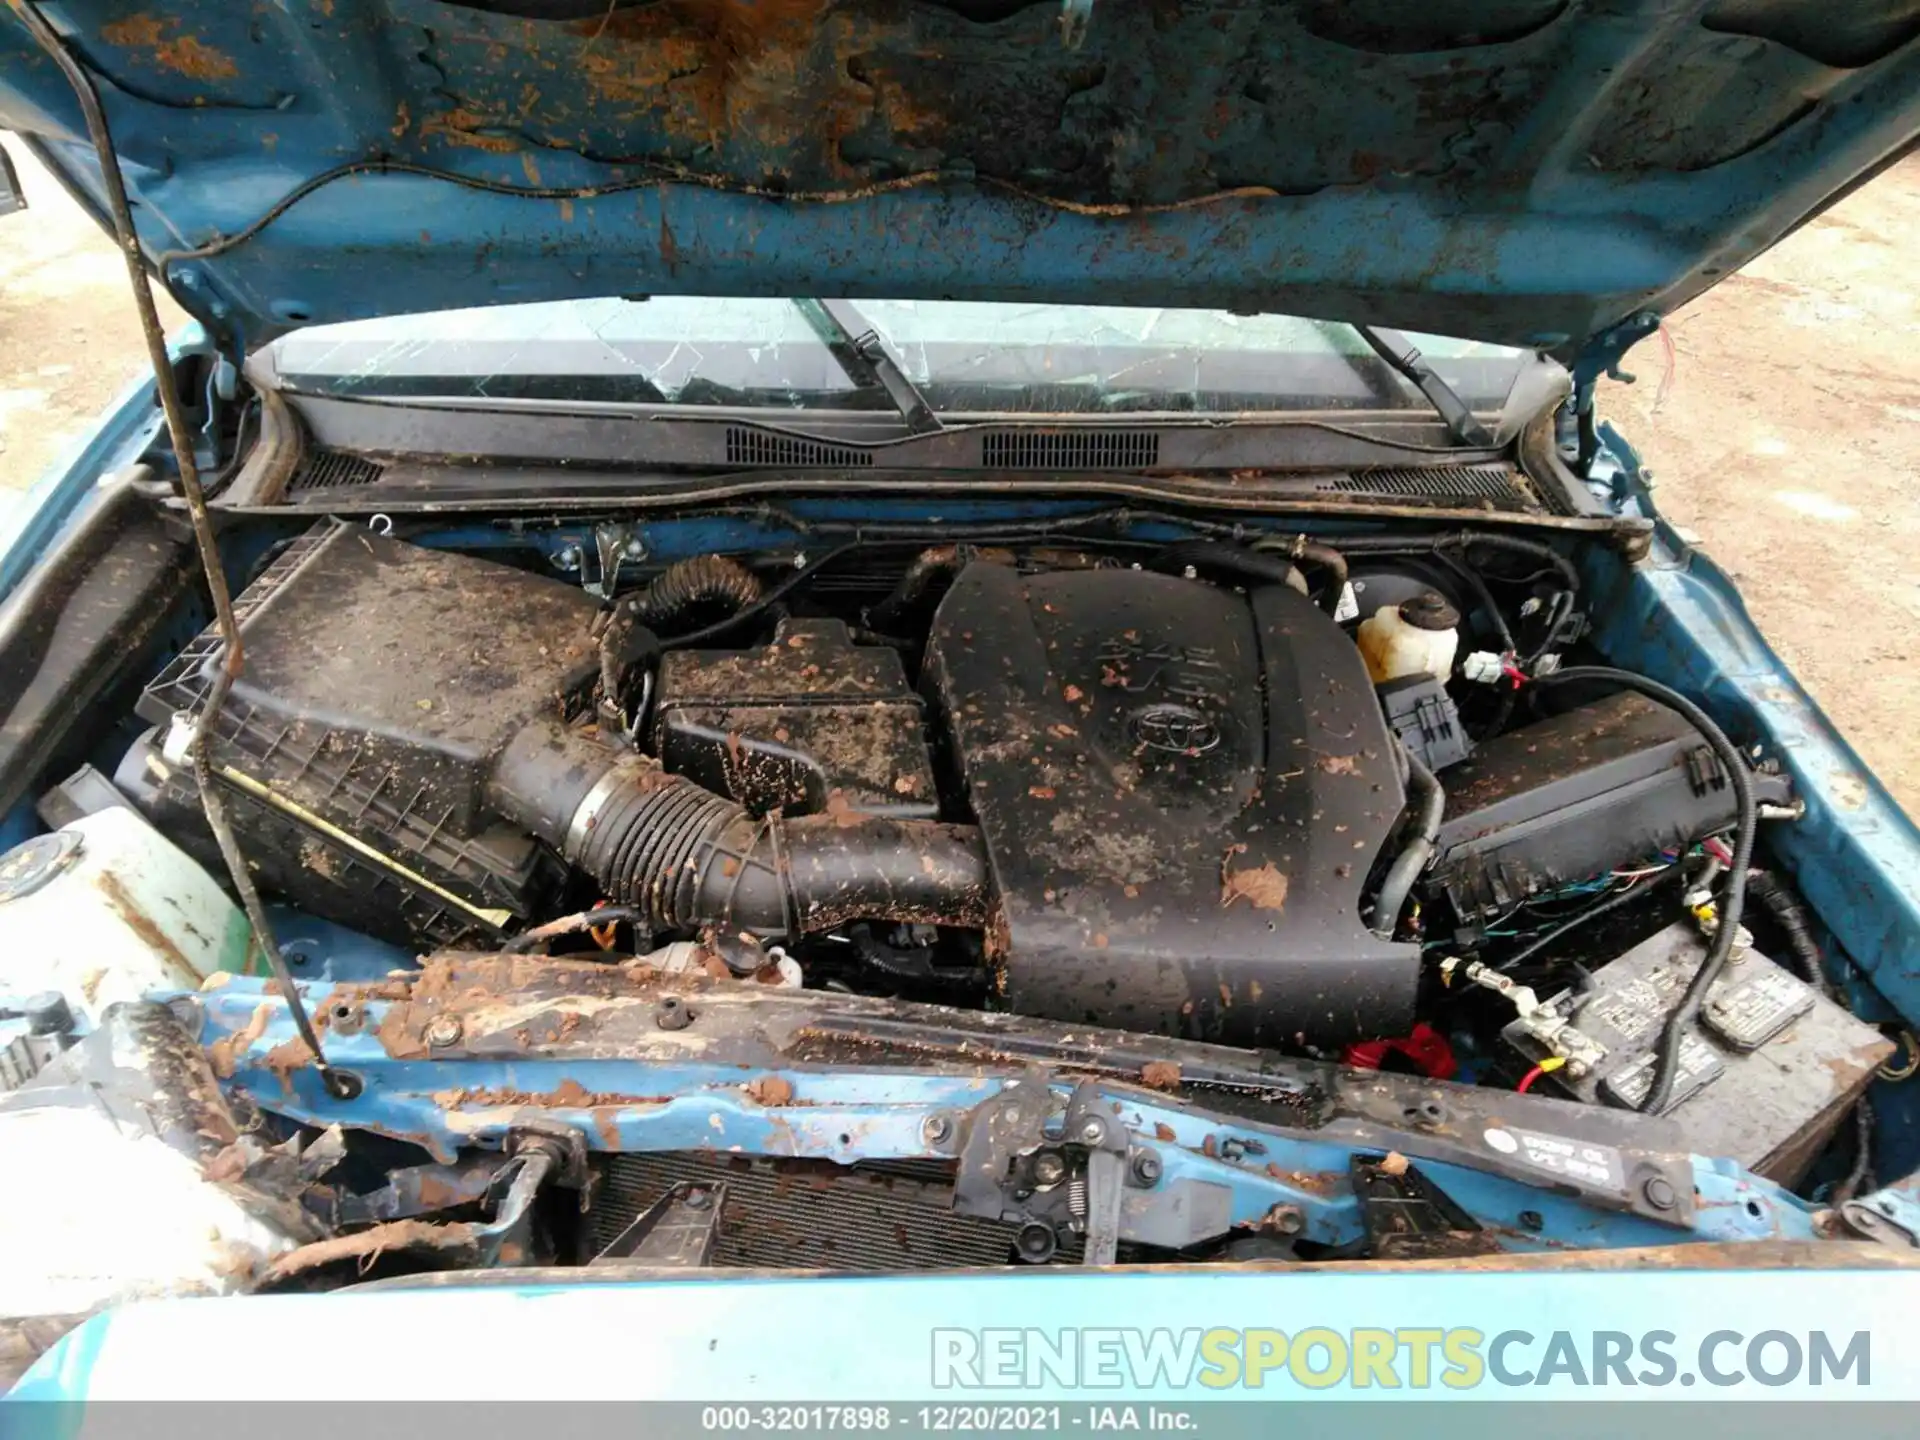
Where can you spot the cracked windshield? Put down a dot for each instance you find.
(964, 357)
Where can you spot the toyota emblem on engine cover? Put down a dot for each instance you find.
(1179, 728)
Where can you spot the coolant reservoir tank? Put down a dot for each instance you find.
(1418, 637)
(109, 909)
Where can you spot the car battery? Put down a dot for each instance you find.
(1766, 1073)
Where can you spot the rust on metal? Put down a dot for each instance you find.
(567, 1095)
(137, 920)
(185, 55)
(769, 1090)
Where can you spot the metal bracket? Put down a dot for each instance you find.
(1077, 1169)
(613, 543)
(1890, 1216)
(1094, 1125)
(420, 1190)
(564, 1146)
(1603, 354)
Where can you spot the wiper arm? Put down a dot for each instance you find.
(867, 362)
(1400, 352)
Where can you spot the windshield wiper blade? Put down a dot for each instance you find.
(1401, 353)
(867, 362)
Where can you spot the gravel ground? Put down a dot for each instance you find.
(1783, 428)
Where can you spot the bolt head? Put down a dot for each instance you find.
(1036, 1242)
(1093, 1130)
(1658, 1193)
(444, 1030)
(1287, 1219)
(1048, 1168)
(936, 1129)
(1147, 1168)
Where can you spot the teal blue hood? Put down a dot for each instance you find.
(1548, 173)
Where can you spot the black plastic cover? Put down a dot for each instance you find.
(1421, 712)
(1564, 799)
(1182, 790)
(810, 724)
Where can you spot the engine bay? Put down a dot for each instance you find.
(1341, 829)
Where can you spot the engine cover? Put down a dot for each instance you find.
(1182, 790)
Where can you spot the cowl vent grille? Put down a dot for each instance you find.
(1497, 486)
(1069, 449)
(756, 447)
(335, 470)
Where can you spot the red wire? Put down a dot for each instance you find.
(1526, 1081)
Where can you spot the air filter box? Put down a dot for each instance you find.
(381, 681)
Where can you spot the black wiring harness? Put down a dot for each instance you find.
(1733, 897)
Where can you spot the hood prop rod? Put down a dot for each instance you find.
(342, 1084)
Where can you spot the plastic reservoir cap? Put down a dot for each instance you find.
(32, 863)
(1428, 611)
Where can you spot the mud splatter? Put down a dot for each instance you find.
(1160, 1075)
(1263, 887)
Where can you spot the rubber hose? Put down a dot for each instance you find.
(925, 571)
(1270, 567)
(1732, 899)
(876, 953)
(1417, 852)
(1794, 923)
(685, 858)
(803, 576)
(1464, 540)
(699, 581)
(1856, 1178)
(1792, 918)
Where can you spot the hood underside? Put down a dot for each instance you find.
(1526, 171)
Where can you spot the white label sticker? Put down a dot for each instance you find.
(1581, 1161)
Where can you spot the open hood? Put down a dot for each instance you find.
(1533, 172)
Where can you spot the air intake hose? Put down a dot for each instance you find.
(688, 585)
(690, 858)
